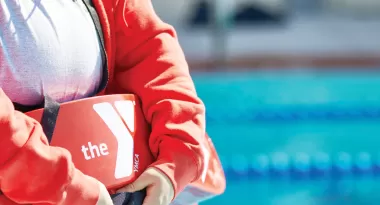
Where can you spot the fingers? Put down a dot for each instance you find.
(160, 193)
(155, 196)
(159, 190)
(104, 196)
(140, 183)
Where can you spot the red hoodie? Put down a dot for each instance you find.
(144, 58)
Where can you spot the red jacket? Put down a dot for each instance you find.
(144, 58)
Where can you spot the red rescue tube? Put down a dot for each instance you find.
(107, 137)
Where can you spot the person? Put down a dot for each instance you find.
(55, 48)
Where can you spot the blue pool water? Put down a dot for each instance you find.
(293, 112)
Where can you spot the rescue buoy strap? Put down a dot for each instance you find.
(49, 117)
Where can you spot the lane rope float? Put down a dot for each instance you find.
(321, 164)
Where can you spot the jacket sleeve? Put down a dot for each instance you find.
(150, 63)
(31, 171)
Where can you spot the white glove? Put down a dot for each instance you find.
(104, 196)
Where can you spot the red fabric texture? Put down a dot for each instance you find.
(144, 58)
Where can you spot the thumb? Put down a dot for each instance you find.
(140, 183)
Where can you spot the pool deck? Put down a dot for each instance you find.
(316, 42)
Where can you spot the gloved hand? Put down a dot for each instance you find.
(104, 196)
(159, 189)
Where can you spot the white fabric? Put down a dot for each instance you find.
(48, 47)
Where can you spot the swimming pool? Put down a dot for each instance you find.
(293, 112)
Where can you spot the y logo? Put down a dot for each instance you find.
(120, 121)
